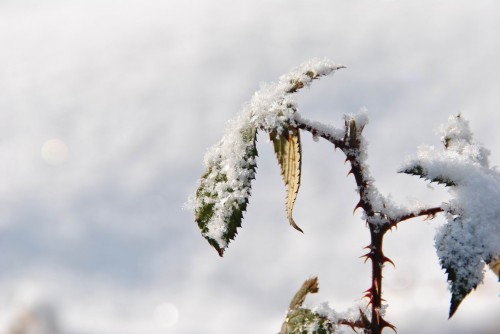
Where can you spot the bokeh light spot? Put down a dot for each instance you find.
(54, 152)
(166, 315)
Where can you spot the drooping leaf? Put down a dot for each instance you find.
(419, 170)
(223, 193)
(460, 257)
(288, 151)
(460, 288)
(224, 189)
(470, 239)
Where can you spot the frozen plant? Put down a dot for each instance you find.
(469, 241)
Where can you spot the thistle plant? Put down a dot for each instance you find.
(468, 242)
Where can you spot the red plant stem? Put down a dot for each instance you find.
(351, 146)
(377, 259)
(429, 212)
(375, 253)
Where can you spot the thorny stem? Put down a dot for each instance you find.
(351, 145)
(352, 148)
(429, 212)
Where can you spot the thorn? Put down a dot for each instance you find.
(348, 323)
(393, 224)
(430, 216)
(384, 324)
(370, 302)
(368, 294)
(386, 259)
(364, 319)
(359, 205)
(367, 256)
(350, 172)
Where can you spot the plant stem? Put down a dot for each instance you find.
(378, 223)
(378, 259)
(353, 149)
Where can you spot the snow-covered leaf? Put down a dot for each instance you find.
(471, 237)
(288, 150)
(222, 199)
(305, 321)
(224, 189)
(461, 258)
(419, 170)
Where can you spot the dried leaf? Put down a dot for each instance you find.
(309, 286)
(288, 150)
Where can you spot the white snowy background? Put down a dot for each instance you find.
(107, 108)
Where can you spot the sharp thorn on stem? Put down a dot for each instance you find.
(386, 259)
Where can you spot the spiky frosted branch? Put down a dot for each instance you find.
(470, 239)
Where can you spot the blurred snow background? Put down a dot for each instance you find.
(107, 108)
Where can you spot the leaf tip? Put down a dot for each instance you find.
(455, 303)
(294, 225)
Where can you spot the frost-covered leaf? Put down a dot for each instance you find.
(224, 189)
(288, 150)
(223, 193)
(457, 138)
(461, 258)
(456, 132)
(471, 237)
(418, 170)
(302, 320)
